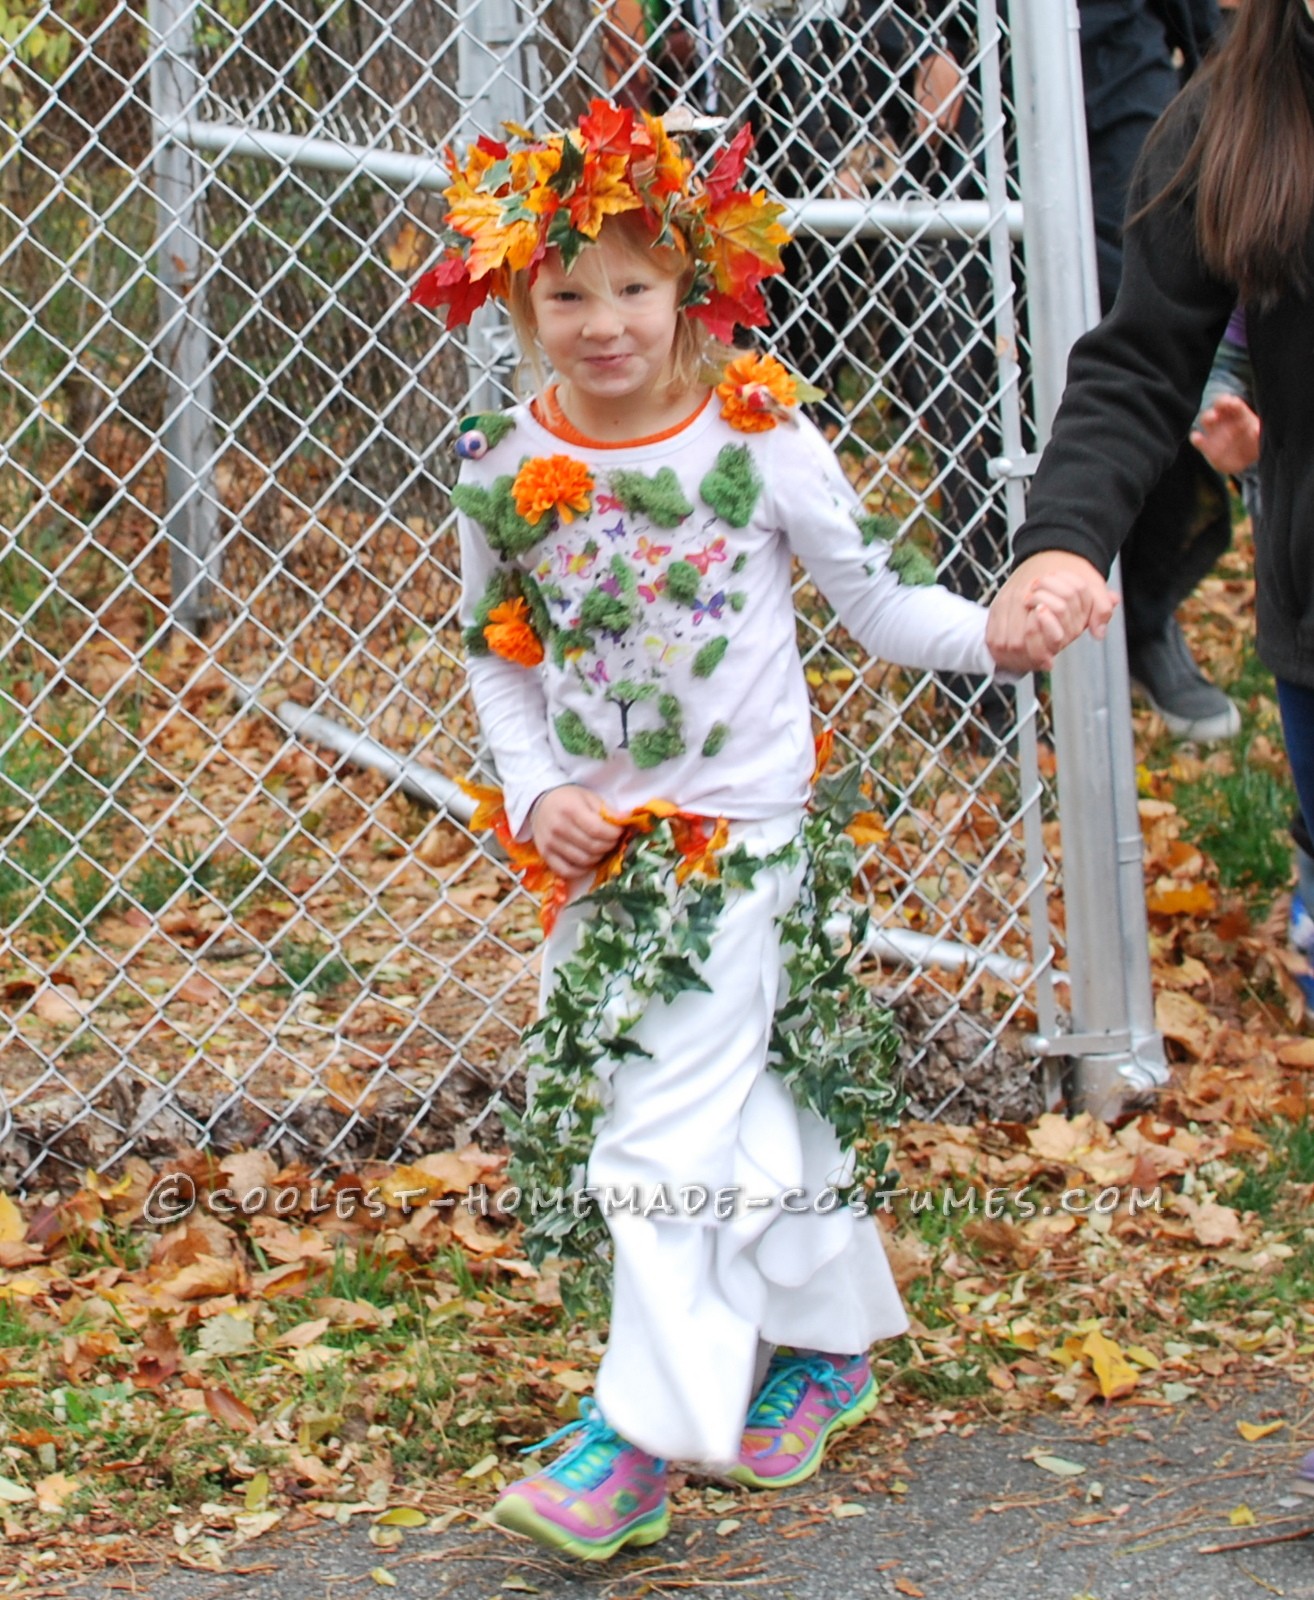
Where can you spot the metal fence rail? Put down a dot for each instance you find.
(239, 902)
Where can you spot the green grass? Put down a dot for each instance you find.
(1290, 1160)
(310, 967)
(166, 874)
(944, 1380)
(1240, 820)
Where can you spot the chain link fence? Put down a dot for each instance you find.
(239, 903)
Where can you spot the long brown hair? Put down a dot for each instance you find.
(1252, 161)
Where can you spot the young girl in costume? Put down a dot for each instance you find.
(626, 544)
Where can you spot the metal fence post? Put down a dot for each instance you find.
(494, 65)
(1114, 1040)
(192, 512)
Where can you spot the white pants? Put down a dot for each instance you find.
(693, 1296)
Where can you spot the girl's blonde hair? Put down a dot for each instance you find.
(696, 357)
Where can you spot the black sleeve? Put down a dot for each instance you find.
(1191, 27)
(1134, 381)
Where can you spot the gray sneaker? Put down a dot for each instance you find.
(1166, 673)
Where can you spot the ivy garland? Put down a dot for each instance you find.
(644, 940)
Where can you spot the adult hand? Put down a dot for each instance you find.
(1227, 435)
(939, 93)
(570, 831)
(1048, 601)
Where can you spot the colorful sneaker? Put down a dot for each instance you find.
(1300, 938)
(601, 1494)
(1300, 926)
(1303, 1482)
(802, 1402)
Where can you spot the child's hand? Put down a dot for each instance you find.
(570, 831)
(1227, 435)
(1050, 600)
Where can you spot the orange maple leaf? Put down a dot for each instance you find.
(745, 240)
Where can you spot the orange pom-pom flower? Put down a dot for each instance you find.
(756, 392)
(552, 483)
(509, 633)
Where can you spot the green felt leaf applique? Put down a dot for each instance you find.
(508, 584)
(576, 739)
(714, 743)
(709, 657)
(659, 498)
(911, 565)
(877, 526)
(733, 486)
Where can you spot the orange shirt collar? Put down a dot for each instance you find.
(547, 412)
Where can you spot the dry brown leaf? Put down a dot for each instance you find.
(199, 990)
(1297, 1053)
(206, 1276)
(53, 1491)
(1181, 1018)
(304, 1333)
(59, 1006)
(1212, 1224)
(247, 1170)
(226, 1409)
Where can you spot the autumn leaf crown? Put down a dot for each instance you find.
(507, 207)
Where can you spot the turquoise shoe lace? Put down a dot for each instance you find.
(593, 1454)
(787, 1378)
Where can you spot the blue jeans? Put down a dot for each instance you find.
(1296, 703)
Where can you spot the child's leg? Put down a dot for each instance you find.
(693, 1293)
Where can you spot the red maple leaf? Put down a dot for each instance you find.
(491, 147)
(608, 128)
(448, 284)
(729, 168)
(720, 312)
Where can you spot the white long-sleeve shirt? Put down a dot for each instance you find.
(695, 694)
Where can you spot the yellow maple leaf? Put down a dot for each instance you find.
(1113, 1372)
(1250, 1431)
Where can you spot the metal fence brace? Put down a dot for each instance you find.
(239, 899)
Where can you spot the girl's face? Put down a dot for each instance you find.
(608, 328)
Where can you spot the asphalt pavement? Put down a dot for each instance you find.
(1133, 1501)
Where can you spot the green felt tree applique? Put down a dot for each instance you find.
(733, 486)
(908, 563)
(495, 511)
(874, 526)
(659, 498)
(614, 604)
(625, 695)
(655, 745)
